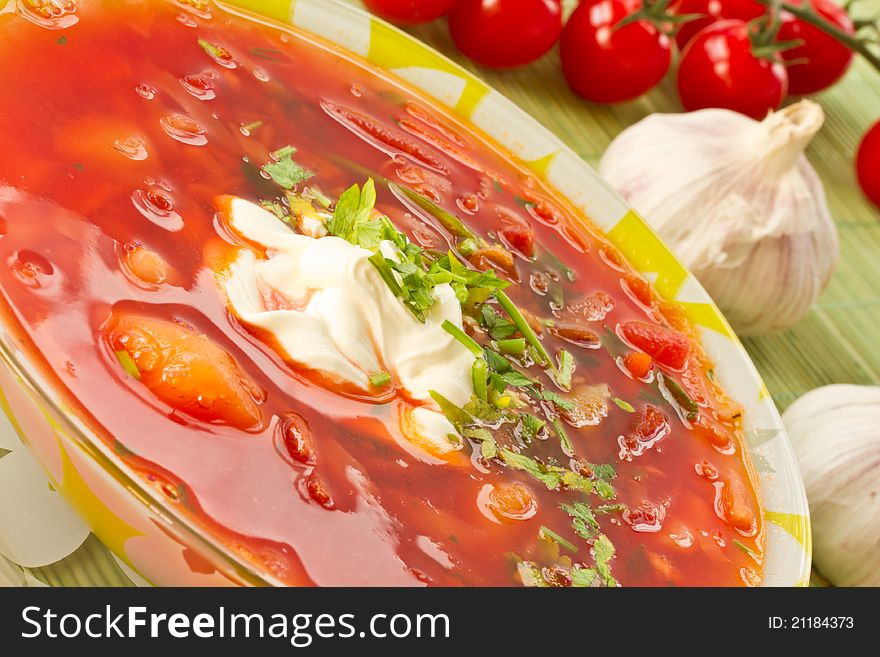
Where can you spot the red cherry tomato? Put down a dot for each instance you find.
(868, 164)
(505, 33)
(821, 60)
(719, 69)
(712, 11)
(609, 65)
(410, 12)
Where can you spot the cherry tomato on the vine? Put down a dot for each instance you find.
(505, 33)
(712, 11)
(410, 12)
(821, 60)
(868, 164)
(719, 69)
(609, 64)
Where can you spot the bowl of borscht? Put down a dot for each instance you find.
(289, 298)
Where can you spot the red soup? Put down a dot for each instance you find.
(440, 376)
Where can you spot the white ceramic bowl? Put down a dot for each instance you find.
(152, 538)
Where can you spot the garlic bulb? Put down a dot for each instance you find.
(835, 431)
(738, 202)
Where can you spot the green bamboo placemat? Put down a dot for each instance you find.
(834, 344)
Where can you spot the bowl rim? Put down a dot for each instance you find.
(349, 28)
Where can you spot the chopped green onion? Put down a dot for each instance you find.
(625, 405)
(248, 128)
(512, 347)
(472, 345)
(546, 533)
(457, 416)
(380, 379)
(688, 405)
(213, 49)
(480, 373)
(128, 364)
(267, 53)
(379, 262)
(742, 546)
(448, 220)
(517, 318)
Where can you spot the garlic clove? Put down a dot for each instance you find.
(738, 202)
(835, 431)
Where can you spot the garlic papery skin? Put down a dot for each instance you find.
(835, 431)
(739, 204)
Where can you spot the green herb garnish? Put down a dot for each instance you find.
(583, 520)
(547, 533)
(529, 427)
(523, 326)
(284, 171)
(456, 415)
(446, 219)
(480, 375)
(472, 345)
(380, 379)
(625, 405)
(128, 364)
(564, 440)
(603, 550)
(248, 128)
(688, 405)
(583, 577)
(218, 52)
(512, 347)
(565, 370)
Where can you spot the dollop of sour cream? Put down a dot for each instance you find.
(328, 310)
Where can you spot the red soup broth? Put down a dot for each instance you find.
(119, 129)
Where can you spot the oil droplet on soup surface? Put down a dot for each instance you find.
(158, 207)
(201, 86)
(32, 269)
(146, 91)
(52, 14)
(507, 501)
(185, 19)
(184, 129)
(200, 8)
(132, 147)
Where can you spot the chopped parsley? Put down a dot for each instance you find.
(529, 427)
(565, 370)
(284, 171)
